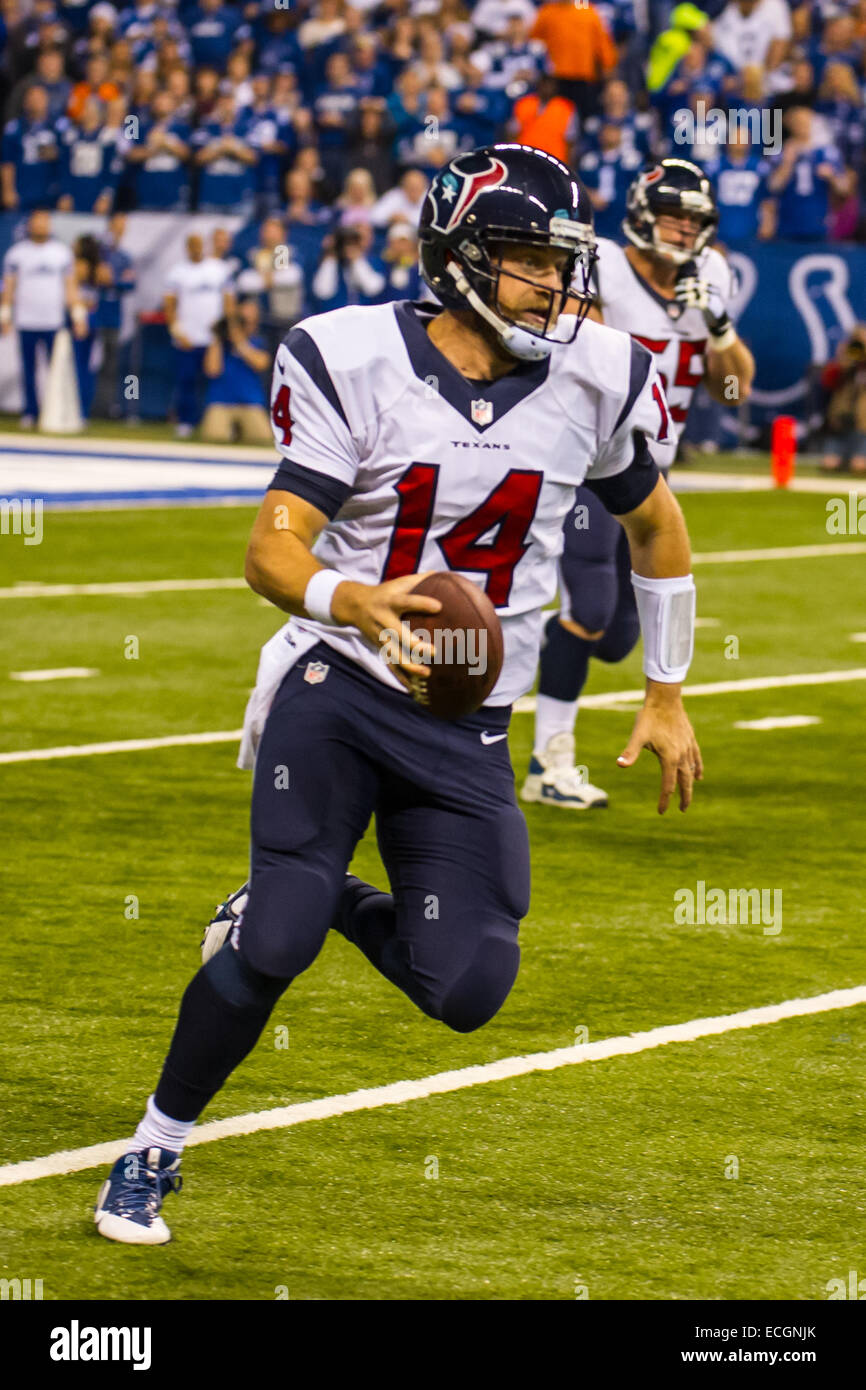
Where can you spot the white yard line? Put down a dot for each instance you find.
(782, 721)
(121, 587)
(400, 1092)
(59, 673)
(780, 552)
(167, 586)
(127, 745)
(612, 698)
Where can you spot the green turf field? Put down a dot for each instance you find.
(729, 1167)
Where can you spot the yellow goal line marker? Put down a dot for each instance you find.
(441, 1083)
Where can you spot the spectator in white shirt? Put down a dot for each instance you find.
(38, 287)
(753, 32)
(402, 203)
(197, 296)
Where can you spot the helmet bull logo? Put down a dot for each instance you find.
(460, 199)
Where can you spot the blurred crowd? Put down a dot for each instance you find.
(320, 122)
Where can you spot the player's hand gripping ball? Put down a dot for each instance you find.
(466, 636)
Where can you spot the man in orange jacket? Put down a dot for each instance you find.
(581, 50)
(546, 120)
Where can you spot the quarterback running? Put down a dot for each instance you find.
(671, 291)
(415, 438)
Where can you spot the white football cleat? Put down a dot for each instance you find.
(555, 780)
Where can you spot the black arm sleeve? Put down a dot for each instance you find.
(626, 490)
(323, 492)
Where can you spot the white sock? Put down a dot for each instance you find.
(158, 1131)
(552, 717)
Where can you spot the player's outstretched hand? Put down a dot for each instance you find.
(377, 609)
(662, 725)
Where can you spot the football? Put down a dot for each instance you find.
(467, 639)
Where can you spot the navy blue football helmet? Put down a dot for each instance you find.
(481, 201)
(670, 186)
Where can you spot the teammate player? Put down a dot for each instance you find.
(414, 439)
(671, 293)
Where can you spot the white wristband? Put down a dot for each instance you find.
(666, 608)
(723, 341)
(319, 593)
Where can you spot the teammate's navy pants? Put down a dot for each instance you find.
(595, 579)
(451, 836)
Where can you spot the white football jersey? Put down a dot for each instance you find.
(675, 336)
(198, 287)
(40, 269)
(420, 469)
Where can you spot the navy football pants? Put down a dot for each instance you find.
(451, 836)
(595, 579)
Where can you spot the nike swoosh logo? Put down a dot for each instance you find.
(492, 738)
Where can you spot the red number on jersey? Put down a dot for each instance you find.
(660, 402)
(280, 414)
(416, 489)
(509, 509)
(685, 378)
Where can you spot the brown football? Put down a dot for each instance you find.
(467, 638)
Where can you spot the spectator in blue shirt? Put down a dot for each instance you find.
(479, 109)
(803, 178)
(158, 159)
(226, 161)
(30, 156)
(841, 105)
(435, 139)
(638, 127)
(115, 278)
(90, 165)
(233, 363)
(50, 74)
(334, 111)
(270, 132)
(607, 174)
(277, 44)
(214, 29)
(372, 74)
(837, 44)
(740, 178)
(513, 58)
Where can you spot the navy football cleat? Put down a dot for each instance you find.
(129, 1201)
(228, 916)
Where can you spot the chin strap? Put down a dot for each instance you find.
(529, 347)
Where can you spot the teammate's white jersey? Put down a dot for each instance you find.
(40, 269)
(675, 336)
(199, 286)
(421, 469)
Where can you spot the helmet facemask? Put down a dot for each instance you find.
(641, 223)
(481, 260)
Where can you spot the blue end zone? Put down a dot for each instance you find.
(82, 475)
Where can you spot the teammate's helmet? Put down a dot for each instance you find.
(479, 202)
(672, 185)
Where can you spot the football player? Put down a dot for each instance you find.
(671, 292)
(413, 438)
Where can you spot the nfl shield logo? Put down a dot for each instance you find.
(316, 672)
(482, 412)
